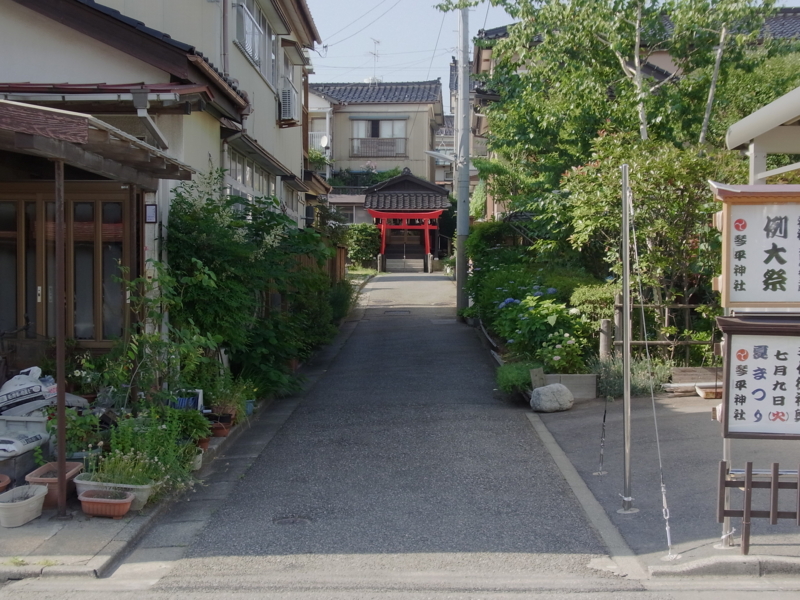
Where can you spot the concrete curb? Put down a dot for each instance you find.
(618, 549)
(731, 566)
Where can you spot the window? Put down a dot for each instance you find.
(378, 138)
(257, 39)
(98, 245)
(348, 212)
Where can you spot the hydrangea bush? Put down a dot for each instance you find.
(563, 353)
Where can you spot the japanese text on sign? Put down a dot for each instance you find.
(764, 253)
(763, 394)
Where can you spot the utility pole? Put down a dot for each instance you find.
(462, 160)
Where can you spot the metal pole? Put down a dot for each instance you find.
(462, 163)
(60, 310)
(627, 500)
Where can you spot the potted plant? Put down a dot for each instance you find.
(82, 430)
(194, 427)
(134, 472)
(562, 355)
(106, 503)
(47, 475)
(22, 504)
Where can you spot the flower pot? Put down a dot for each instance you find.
(47, 475)
(202, 443)
(220, 417)
(5, 481)
(22, 504)
(142, 492)
(583, 387)
(106, 503)
(220, 429)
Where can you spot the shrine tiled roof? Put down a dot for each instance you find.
(407, 201)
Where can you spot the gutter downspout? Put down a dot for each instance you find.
(225, 36)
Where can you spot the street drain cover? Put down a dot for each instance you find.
(397, 312)
(291, 521)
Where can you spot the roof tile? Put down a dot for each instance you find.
(409, 92)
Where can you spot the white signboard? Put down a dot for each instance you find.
(763, 391)
(763, 254)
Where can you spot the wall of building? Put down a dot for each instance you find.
(45, 61)
(418, 132)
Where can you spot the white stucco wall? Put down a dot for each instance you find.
(42, 58)
(418, 133)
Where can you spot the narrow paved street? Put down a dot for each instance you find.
(399, 473)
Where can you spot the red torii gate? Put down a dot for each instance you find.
(405, 217)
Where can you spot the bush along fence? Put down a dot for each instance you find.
(556, 316)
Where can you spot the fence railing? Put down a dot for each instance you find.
(315, 140)
(377, 147)
(349, 190)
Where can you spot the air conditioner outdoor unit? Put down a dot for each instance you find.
(287, 105)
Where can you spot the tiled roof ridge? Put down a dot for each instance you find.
(376, 83)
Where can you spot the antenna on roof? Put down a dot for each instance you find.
(375, 56)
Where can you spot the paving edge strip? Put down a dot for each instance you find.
(727, 566)
(617, 547)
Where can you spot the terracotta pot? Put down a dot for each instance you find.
(202, 443)
(221, 429)
(45, 475)
(102, 503)
(5, 481)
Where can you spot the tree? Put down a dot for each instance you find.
(363, 243)
(673, 206)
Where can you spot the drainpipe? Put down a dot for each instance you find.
(225, 36)
(329, 151)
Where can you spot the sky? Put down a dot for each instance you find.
(416, 41)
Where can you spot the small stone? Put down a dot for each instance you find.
(552, 398)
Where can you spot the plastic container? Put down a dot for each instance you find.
(35, 478)
(142, 492)
(15, 512)
(105, 503)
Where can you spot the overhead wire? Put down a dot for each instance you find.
(358, 19)
(365, 26)
(430, 65)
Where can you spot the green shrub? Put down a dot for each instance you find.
(563, 353)
(610, 376)
(526, 324)
(595, 301)
(565, 282)
(515, 376)
(342, 298)
(363, 243)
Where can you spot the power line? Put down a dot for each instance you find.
(365, 26)
(358, 19)
(452, 49)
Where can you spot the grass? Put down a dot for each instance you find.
(354, 272)
(16, 561)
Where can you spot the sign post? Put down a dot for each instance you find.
(760, 287)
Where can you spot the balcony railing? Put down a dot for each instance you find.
(249, 34)
(315, 140)
(349, 190)
(377, 147)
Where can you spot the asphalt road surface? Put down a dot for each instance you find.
(399, 473)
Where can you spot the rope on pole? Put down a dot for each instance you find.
(665, 507)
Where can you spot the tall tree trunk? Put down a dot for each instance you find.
(713, 88)
(638, 79)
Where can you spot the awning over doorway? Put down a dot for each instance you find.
(85, 142)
